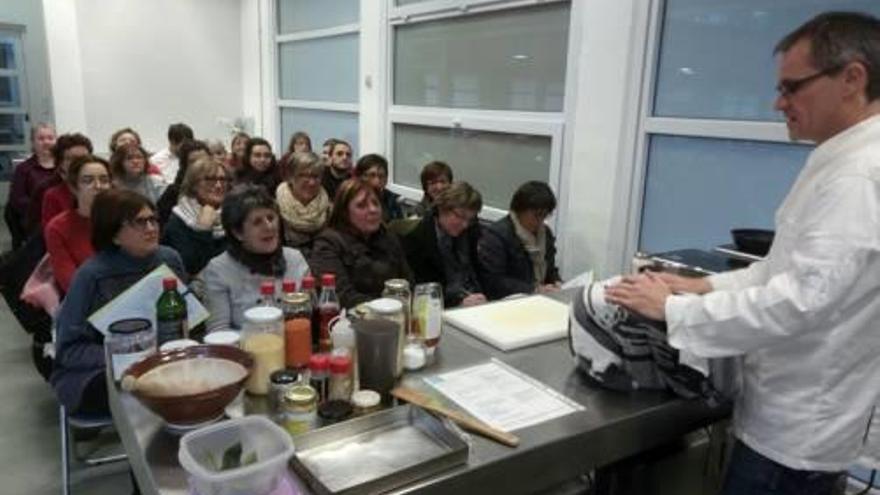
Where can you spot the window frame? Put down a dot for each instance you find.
(17, 33)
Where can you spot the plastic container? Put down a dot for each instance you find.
(223, 337)
(391, 309)
(256, 434)
(129, 341)
(263, 338)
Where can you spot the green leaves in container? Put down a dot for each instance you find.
(232, 458)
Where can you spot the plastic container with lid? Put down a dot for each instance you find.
(391, 309)
(341, 384)
(365, 402)
(128, 342)
(177, 344)
(300, 409)
(262, 336)
(202, 449)
(223, 337)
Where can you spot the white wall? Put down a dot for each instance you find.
(146, 65)
(29, 14)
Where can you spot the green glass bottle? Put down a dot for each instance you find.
(171, 318)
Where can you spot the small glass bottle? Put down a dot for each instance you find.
(171, 314)
(300, 409)
(341, 385)
(267, 294)
(328, 308)
(308, 286)
(319, 375)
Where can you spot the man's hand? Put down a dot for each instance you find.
(685, 285)
(473, 299)
(645, 294)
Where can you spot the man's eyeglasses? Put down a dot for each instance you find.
(142, 223)
(788, 87)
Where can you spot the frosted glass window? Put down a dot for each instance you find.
(7, 54)
(716, 56)
(322, 69)
(12, 129)
(697, 189)
(506, 60)
(320, 125)
(494, 163)
(9, 96)
(305, 15)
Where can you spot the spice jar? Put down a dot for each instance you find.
(391, 309)
(341, 384)
(128, 342)
(300, 410)
(281, 382)
(334, 411)
(365, 402)
(398, 288)
(297, 329)
(319, 375)
(263, 338)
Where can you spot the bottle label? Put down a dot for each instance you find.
(169, 330)
(433, 320)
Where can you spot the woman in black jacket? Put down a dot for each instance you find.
(194, 229)
(443, 247)
(518, 252)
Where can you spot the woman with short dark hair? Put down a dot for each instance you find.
(125, 234)
(303, 203)
(259, 166)
(194, 229)
(129, 164)
(356, 246)
(56, 196)
(373, 169)
(435, 177)
(518, 252)
(254, 253)
(68, 235)
(443, 247)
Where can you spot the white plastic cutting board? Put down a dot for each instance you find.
(515, 323)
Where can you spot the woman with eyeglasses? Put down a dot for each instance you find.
(373, 169)
(68, 235)
(259, 166)
(188, 152)
(125, 235)
(130, 166)
(254, 254)
(194, 229)
(357, 247)
(304, 204)
(443, 246)
(518, 252)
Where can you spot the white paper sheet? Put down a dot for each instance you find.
(501, 396)
(139, 301)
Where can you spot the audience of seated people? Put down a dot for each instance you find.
(518, 252)
(443, 247)
(194, 229)
(68, 235)
(189, 151)
(125, 235)
(55, 193)
(356, 246)
(26, 179)
(254, 253)
(168, 160)
(338, 167)
(259, 166)
(435, 177)
(373, 169)
(129, 164)
(303, 203)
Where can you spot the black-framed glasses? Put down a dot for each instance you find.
(142, 223)
(789, 87)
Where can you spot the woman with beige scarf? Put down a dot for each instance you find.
(305, 206)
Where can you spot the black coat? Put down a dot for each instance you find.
(423, 255)
(506, 266)
(362, 265)
(196, 247)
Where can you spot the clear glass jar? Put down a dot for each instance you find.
(262, 336)
(428, 314)
(391, 309)
(300, 409)
(398, 288)
(281, 382)
(128, 342)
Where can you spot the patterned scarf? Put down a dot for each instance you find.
(303, 218)
(188, 210)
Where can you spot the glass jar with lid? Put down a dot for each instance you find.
(281, 382)
(262, 336)
(391, 309)
(128, 342)
(300, 409)
(398, 288)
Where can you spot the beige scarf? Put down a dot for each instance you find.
(536, 247)
(303, 218)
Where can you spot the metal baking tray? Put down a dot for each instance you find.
(377, 453)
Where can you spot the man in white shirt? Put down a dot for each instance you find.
(166, 160)
(806, 320)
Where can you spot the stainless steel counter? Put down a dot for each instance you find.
(613, 426)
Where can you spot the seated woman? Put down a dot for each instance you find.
(304, 204)
(188, 152)
(259, 166)
(125, 234)
(435, 177)
(254, 253)
(236, 152)
(373, 169)
(518, 252)
(300, 142)
(69, 235)
(194, 229)
(443, 247)
(56, 196)
(26, 178)
(129, 165)
(356, 247)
